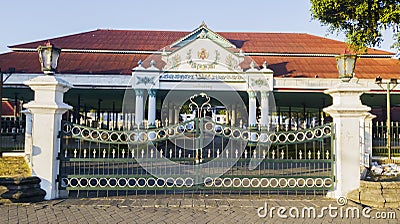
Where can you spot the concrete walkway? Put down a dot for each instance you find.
(179, 209)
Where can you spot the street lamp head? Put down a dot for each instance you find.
(48, 57)
(345, 65)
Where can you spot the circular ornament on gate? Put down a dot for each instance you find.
(327, 130)
(209, 126)
(179, 182)
(64, 182)
(143, 137)
(309, 135)
(104, 136)
(152, 135)
(310, 182)
(282, 137)
(301, 182)
(255, 182)
(151, 182)
(283, 182)
(245, 135)
(189, 182)
(160, 182)
(263, 137)
(76, 131)
(273, 138)
(169, 182)
(83, 182)
(208, 182)
(133, 137)
(273, 182)
(319, 182)
(85, 133)
(264, 182)
(112, 182)
(132, 182)
(114, 136)
(94, 134)
(161, 134)
(318, 133)
(123, 137)
(236, 133)
(292, 182)
(328, 182)
(93, 182)
(141, 182)
(227, 131)
(74, 182)
(122, 182)
(103, 182)
(67, 127)
(236, 182)
(300, 136)
(291, 137)
(246, 182)
(227, 182)
(218, 182)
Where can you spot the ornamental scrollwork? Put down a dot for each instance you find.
(145, 80)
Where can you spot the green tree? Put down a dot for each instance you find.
(362, 21)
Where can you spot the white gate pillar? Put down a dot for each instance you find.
(347, 112)
(139, 107)
(47, 109)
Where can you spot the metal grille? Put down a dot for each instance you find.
(379, 139)
(196, 157)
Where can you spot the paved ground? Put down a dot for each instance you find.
(178, 209)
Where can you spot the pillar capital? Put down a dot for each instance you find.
(252, 93)
(139, 92)
(152, 92)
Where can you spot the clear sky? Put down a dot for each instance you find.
(26, 20)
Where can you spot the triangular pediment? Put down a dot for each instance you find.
(203, 55)
(203, 32)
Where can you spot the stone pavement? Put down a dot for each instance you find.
(192, 209)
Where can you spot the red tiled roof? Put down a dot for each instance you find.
(155, 40)
(7, 108)
(122, 40)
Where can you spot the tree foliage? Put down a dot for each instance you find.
(362, 21)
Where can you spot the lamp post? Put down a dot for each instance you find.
(345, 65)
(48, 57)
(391, 84)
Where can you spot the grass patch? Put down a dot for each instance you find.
(14, 167)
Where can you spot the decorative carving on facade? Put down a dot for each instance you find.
(259, 82)
(145, 80)
(203, 77)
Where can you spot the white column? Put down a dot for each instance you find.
(252, 109)
(264, 108)
(347, 111)
(139, 106)
(47, 109)
(28, 137)
(176, 113)
(171, 112)
(233, 115)
(151, 113)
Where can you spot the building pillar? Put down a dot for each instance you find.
(138, 107)
(47, 109)
(252, 109)
(233, 115)
(264, 108)
(347, 112)
(176, 113)
(151, 113)
(171, 115)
